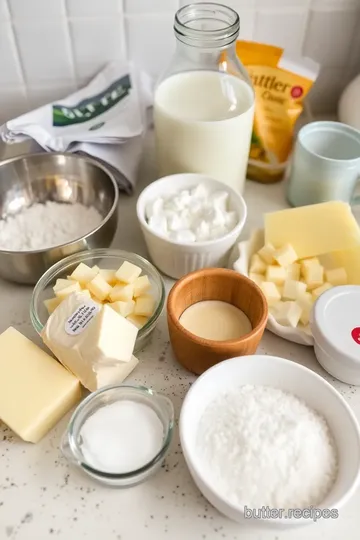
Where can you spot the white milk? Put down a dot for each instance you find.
(203, 122)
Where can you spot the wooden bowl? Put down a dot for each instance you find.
(197, 354)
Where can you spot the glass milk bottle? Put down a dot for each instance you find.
(204, 103)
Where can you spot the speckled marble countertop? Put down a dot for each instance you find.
(43, 497)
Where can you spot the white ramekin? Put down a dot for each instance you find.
(175, 259)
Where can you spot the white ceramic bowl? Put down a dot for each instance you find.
(290, 377)
(175, 259)
(240, 262)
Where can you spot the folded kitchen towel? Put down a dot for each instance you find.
(106, 120)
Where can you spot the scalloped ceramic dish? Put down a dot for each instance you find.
(241, 257)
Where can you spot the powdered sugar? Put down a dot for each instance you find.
(259, 446)
(42, 226)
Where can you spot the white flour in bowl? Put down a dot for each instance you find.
(259, 446)
(42, 226)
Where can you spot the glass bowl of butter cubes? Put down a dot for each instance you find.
(124, 281)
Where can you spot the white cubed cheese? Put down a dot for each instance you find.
(123, 308)
(141, 285)
(271, 292)
(51, 304)
(319, 290)
(83, 274)
(293, 271)
(124, 293)
(314, 276)
(138, 320)
(293, 289)
(288, 314)
(285, 255)
(73, 286)
(144, 305)
(128, 272)
(61, 284)
(108, 275)
(257, 265)
(267, 253)
(305, 301)
(99, 288)
(336, 276)
(257, 278)
(276, 274)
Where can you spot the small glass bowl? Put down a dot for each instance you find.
(103, 258)
(71, 441)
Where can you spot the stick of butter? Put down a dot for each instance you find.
(35, 390)
(89, 338)
(313, 230)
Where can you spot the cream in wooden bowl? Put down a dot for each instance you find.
(214, 314)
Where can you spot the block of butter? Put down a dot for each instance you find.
(35, 390)
(91, 340)
(313, 230)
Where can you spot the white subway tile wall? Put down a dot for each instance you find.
(48, 48)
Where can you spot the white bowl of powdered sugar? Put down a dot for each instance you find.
(269, 442)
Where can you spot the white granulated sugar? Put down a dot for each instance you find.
(121, 437)
(42, 226)
(259, 446)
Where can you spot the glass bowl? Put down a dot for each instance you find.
(103, 258)
(71, 441)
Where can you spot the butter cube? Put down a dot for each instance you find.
(276, 274)
(141, 285)
(305, 301)
(111, 337)
(267, 253)
(128, 272)
(257, 265)
(257, 278)
(95, 268)
(306, 264)
(293, 289)
(314, 276)
(73, 286)
(87, 337)
(271, 292)
(285, 255)
(35, 390)
(61, 284)
(123, 308)
(51, 304)
(124, 293)
(337, 276)
(288, 314)
(293, 271)
(99, 288)
(83, 274)
(144, 305)
(109, 276)
(138, 320)
(319, 290)
(116, 374)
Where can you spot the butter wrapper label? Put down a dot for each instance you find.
(82, 316)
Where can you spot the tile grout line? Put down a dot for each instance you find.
(70, 43)
(17, 54)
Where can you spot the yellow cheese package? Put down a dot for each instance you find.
(280, 86)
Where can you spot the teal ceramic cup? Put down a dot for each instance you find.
(325, 164)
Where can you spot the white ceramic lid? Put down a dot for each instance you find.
(335, 321)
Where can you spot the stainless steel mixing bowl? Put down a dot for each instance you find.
(67, 178)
